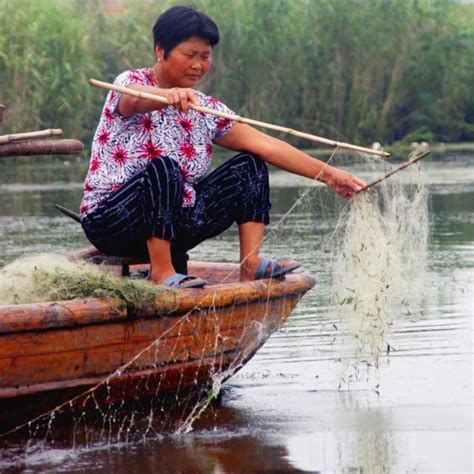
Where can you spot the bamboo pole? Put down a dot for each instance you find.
(15, 137)
(238, 118)
(395, 170)
(42, 147)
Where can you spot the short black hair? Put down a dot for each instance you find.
(179, 23)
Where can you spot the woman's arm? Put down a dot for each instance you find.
(180, 98)
(286, 157)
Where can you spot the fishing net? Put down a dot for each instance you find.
(379, 269)
(55, 277)
(377, 248)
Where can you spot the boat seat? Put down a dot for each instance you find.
(112, 263)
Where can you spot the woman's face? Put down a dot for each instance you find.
(186, 63)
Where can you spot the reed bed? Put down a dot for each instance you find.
(354, 70)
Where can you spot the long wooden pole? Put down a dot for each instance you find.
(15, 137)
(395, 170)
(42, 147)
(238, 118)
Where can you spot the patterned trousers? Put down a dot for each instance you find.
(150, 205)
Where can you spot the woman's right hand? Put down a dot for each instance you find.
(181, 98)
(177, 97)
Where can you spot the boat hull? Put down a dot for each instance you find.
(62, 352)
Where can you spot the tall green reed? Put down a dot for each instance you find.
(360, 70)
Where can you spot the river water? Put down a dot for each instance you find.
(284, 411)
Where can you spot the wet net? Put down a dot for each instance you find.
(379, 270)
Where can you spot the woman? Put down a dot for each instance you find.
(146, 193)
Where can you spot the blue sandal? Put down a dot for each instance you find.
(178, 280)
(270, 268)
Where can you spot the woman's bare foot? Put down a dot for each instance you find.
(158, 277)
(248, 268)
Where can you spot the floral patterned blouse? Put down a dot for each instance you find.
(123, 146)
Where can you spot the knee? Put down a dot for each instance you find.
(251, 176)
(249, 169)
(257, 171)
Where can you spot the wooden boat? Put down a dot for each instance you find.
(53, 352)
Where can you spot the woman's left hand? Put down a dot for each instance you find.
(342, 182)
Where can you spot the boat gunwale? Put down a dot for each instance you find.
(56, 315)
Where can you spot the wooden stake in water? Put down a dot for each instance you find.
(238, 118)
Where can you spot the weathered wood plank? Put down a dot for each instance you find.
(31, 369)
(139, 330)
(84, 383)
(53, 315)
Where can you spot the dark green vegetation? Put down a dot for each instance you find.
(61, 284)
(358, 70)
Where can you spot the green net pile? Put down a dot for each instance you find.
(52, 277)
